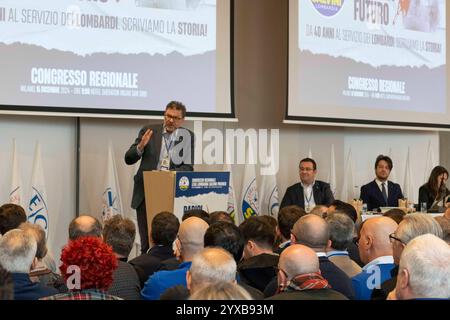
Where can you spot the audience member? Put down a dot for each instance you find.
(221, 291)
(375, 251)
(84, 226)
(199, 213)
(163, 233)
(320, 210)
(299, 277)
(314, 232)
(189, 242)
(287, 217)
(93, 275)
(395, 214)
(341, 235)
(17, 256)
(211, 266)
(309, 192)
(40, 272)
(259, 262)
(220, 216)
(412, 226)
(424, 271)
(444, 221)
(120, 233)
(343, 207)
(349, 210)
(11, 216)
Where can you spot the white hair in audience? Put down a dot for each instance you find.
(427, 260)
(17, 251)
(213, 265)
(417, 224)
(221, 291)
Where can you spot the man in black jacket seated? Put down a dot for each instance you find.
(313, 232)
(163, 233)
(309, 192)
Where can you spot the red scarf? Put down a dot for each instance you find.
(309, 281)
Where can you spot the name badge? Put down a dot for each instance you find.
(165, 164)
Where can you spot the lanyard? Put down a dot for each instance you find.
(169, 147)
(308, 199)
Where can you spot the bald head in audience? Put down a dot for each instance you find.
(83, 226)
(209, 266)
(296, 260)
(190, 237)
(312, 231)
(424, 271)
(374, 238)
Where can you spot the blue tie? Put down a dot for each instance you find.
(383, 192)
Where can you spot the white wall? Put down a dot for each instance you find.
(57, 139)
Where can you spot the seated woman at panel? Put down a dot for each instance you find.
(434, 192)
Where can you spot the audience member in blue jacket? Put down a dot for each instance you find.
(189, 242)
(375, 250)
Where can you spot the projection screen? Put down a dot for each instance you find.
(380, 62)
(128, 57)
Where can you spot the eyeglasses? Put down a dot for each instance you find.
(169, 117)
(392, 238)
(306, 169)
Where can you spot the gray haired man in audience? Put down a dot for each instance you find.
(424, 271)
(412, 226)
(210, 266)
(341, 234)
(120, 233)
(17, 256)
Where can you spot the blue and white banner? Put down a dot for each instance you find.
(269, 196)
(16, 191)
(37, 210)
(250, 199)
(111, 199)
(201, 190)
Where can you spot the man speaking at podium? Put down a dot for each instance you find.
(160, 147)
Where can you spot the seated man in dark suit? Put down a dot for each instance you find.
(299, 277)
(381, 192)
(309, 192)
(163, 232)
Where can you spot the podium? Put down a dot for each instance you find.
(180, 191)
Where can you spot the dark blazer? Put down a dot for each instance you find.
(150, 157)
(294, 195)
(150, 262)
(126, 284)
(320, 294)
(371, 194)
(258, 270)
(425, 195)
(24, 289)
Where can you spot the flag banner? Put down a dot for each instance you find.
(332, 173)
(111, 199)
(16, 191)
(37, 210)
